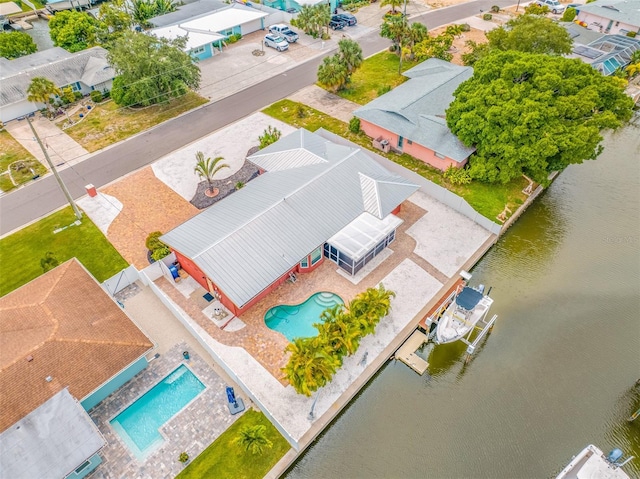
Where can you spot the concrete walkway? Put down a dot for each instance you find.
(326, 102)
(62, 149)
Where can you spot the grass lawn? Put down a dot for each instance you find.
(11, 152)
(24, 6)
(377, 75)
(25, 248)
(224, 459)
(108, 123)
(488, 200)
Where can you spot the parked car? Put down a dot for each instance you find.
(346, 17)
(284, 31)
(275, 41)
(554, 5)
(336, 23)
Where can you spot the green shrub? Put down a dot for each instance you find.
(48, 262)
(293, 22)
(631, 34)
(495, 9)
(269, 136)
(153, 242)
(301, 112)
(457, 176)
(465, 27)
(354, 125)
(384, 89)
(534, 9)
(568, 15)
(487, 16)
(96, 96)
(160, 253)
(77, 95)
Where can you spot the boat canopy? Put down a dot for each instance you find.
(468, 298)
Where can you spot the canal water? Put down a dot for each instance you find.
(556, 373)
(40, 34)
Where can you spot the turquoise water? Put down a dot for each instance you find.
(138, 424)
(296, 321)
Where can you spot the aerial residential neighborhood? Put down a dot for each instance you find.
(319, 239)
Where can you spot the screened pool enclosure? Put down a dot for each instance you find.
(360, 241)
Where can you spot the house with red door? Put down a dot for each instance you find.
(411, 117)
(315, 200)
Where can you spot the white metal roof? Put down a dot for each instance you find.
(51, 441)
(363, 234)
(246, 241)
(194, 39)
(223, 19)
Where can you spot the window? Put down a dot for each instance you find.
(227, 33)
(409, 142)
(305, 262)
(439, 155)
(400, 139)
(316, 256)
(198, 50)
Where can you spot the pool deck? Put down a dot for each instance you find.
(431, 246)
(191, 430)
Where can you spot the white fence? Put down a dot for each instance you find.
(130, 275)
(441, 194)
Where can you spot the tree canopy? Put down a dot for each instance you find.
(150, 70)
(526, 33)
(532, 114)
(16, 44)
(74, 31)
(335, 71)
(314, 18)
(42, 90)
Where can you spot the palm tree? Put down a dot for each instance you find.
(392, 3)
(417, 32)
(396, 30)
(339, 330)
(332, 73)
(370, 306)
(253, 438)
(323, 16)
(207, 167)
(351, 54)
(311, 366)
(41, 90)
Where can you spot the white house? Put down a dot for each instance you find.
(611, 16)
(84, 71)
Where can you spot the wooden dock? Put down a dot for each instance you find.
(407, 352)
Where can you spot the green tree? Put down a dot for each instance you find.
(150, 70)
(350, 55)
(42, 90)
(417, 33)
(333, 73)
(569, 15)
(370, 306)
(269, 136)
(339, 330)
(434, 47)
(115, 17)
(68, 96)
(16, 44)
(143, 10)
(311, 365)
(396, 30)
(533, 113)
(535, 9)
(391, 3)
(207, 167)
(313, 19)
(74, 31)
(254, 439)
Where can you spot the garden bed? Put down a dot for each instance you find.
(225, 187)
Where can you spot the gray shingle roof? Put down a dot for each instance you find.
(51, 441)
(254, 236)
(415, 110)
(627, 11)
(58, 65)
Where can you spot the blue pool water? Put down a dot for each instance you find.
(138, 424)
(296, 321)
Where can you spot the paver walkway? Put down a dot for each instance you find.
(62, 149)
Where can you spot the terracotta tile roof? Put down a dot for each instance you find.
(62, 325)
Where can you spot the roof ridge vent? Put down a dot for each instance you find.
(610, 7)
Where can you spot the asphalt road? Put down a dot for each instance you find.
(44, 196)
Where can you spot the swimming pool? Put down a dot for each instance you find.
(138, 425)
(296, 321)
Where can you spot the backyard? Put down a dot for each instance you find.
(109, 123)
(26, 248)
(487, 199)
(226, 459)
(12, 152)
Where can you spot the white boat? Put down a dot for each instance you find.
(591, 463)
(469, 306)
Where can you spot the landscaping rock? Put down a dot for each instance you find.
(226, 186)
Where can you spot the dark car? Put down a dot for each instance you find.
(346, 17)
(336, 23)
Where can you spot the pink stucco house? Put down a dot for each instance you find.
(412, 116)
(611, 16)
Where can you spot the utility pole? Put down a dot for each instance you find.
(64, 189)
